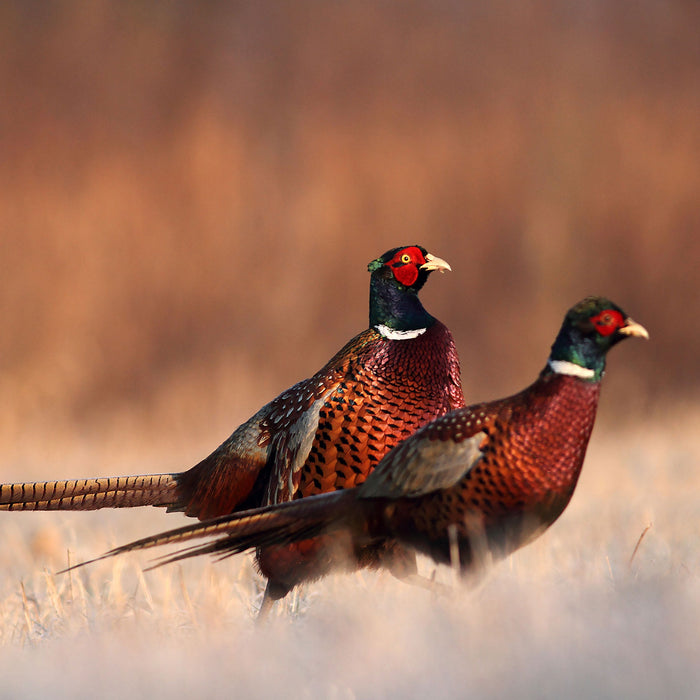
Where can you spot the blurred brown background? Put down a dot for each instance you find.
(190, 193)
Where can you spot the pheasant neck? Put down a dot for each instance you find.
(577, 355)
(396, 311)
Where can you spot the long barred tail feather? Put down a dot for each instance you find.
(228, 546)
(273, 525)
(92, 494)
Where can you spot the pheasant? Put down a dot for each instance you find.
(468, 488)
(324, 433)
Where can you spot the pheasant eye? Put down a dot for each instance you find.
(405, 258)
(608, 321)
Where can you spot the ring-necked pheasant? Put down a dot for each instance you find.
(474, 484)
(324, 433)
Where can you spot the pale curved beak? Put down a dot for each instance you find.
(634, 329)
(432, 262)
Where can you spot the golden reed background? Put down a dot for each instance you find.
(190, 192)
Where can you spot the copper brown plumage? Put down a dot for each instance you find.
(383, 390)
(478, 482)
(532, 449)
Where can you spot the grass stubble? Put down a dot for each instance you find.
(605, 604)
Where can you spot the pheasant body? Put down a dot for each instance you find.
(533, 446)
(389, 389)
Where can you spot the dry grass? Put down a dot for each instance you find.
(580, 613)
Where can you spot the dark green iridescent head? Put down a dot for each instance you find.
(589, 330)
(397, 277)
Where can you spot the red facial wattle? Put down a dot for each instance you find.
(608, 321)
(407, 274)
(405, 265)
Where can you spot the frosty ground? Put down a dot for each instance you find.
(589, 610)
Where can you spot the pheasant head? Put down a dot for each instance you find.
(397, 277)
(589, 330)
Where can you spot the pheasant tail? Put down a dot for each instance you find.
(92, 494)
(285, 523)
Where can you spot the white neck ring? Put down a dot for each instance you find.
(571, 369)
(392, 334)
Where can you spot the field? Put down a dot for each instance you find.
(583, 612)
(189, 196)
